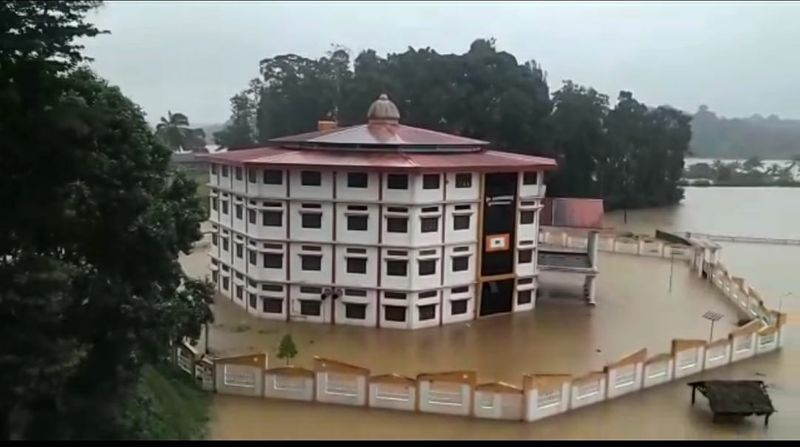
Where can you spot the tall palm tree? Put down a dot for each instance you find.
(174, 131)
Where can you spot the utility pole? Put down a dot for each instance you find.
(671, 268)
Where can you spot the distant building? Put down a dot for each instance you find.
(380, 225)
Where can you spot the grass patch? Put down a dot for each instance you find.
(169, 405)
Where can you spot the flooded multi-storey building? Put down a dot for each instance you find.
(379, 225)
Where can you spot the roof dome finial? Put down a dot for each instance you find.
(383, 111)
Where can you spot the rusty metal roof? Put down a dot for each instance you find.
(379, 135)
(572, 212)
(483, 160)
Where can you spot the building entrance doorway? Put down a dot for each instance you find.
(497, 297)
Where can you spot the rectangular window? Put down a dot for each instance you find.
(311, 290)
(427, 312)
(251, 216)
(462, 289)
(461, 222)
(239, 292)
(355, 292)
(272, 260)
(428, 294)
(224, 171)
(273, 177)
(356, 265)
(251, 175)
(355, 311)
(427, 267)
(312, 220)
(357, 223)
(225, 282)
(460, 263)
(272, 305)
(529, 178)
(546, 399)
(395, 313)
(239, 376)
(213, 169)
(463, 180)
(239, 212)
(397, 224)
(253, 300)
(312, 263)
(310, 178)
(395, 267)
(525, 256)
(224, 207)
(225, 244)
(357, 179)
(310, 307)
(214, 202)
(523, 297)
(397, 181)
(239, 251)
(394, 295)
(238, 173)
(430, 181)
(252, 255)
(429, 224)
(526, 217)
(458, 307)
(214, 239)
(272, 218)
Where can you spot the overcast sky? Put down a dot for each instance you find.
(739, 58)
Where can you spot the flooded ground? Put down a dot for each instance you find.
(635, 308)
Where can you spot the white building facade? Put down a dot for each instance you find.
(377, 225)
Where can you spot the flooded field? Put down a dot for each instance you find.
(635, 309)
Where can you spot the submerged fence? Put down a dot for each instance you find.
(459, 393)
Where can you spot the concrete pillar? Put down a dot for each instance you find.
(589, 290)
(591, 247)
(639, 246)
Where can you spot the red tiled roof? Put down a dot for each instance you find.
(483, 160)
(379, 134)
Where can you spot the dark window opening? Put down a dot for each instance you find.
(396, 267)
(427, 267)
(224, 207)
(239, 251)
(310, 307)
(253, 257)
(312, 220)
(529, 178)
(357, 180)
(310, 178)
(253, 300)
(311, 263)
(427, 312)
(429, 224)
(355, 311)
(523, 297)
(225, 283)
(397, 224)
(525, 256)
(397, 181)
(357, 223)
(430, 181)
(238, 173)
(272, 218)
(251, 175)
(272, 260)
(463, 180)
(526, 217)
(225, 244)
(461, 222)
(273, 177)
(239, 211)
(458, 307)
(460, 263)
(239, 292)
(356, 265)
(272, 305)
(251, 216)
(395, 313)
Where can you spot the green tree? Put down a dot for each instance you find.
(93, 222)
(174, 131)
(287, 350)
(240, 128)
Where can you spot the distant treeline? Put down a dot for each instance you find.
(767, 138)
(629, 154)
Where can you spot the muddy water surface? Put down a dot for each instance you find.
(635, 308)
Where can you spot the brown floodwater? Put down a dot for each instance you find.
(635, 309)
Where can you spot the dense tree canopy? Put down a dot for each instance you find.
(92, 224)
(718, 137)
(631, 155)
